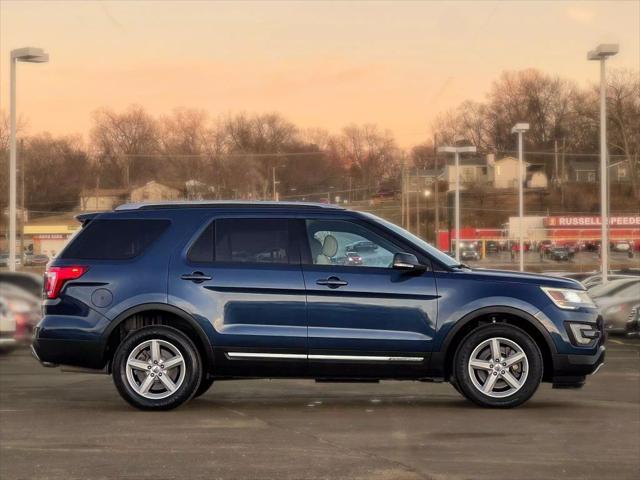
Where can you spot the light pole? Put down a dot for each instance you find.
(601, 53)
(520, 128)
(457, 151)
(31, 55)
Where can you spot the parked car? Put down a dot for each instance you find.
(595, 280)
(492, 247)
(545, 245)
(28, 281)
(621, 246)
(363, 246)
(352, 258)
(169, 297)
(26, 310)
(559, 254)
(4, 260)
(40, 259)
(632, 328)
(7, 328)
(467, 254)
(615, 300)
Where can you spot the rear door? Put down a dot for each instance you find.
(243, 276)
(365, 318)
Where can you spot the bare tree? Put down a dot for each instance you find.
(123, 142)
(624, 119)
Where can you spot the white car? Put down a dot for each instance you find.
(7, 327)
(622, 247)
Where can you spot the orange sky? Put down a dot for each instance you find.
(319, 64)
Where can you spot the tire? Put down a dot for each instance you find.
(140, 357)
(505, 384)
(205, 385)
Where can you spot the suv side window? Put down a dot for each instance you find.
(114, 239)
(342, 242)
(244, 240)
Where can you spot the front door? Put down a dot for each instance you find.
(241, 278)
(365, 319)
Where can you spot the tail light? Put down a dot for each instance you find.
(55, 278)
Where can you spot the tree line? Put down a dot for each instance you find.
(240, 155)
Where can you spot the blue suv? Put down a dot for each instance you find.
(169, 298)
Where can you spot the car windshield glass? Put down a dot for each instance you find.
(428, 248)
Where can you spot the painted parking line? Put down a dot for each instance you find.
(618, 342)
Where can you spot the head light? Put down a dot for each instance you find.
(568, 299)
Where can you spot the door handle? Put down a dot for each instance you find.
(332, 282)
(195, 277)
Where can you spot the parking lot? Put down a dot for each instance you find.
(63, 425)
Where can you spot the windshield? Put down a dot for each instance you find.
(427, 247)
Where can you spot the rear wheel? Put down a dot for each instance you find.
(498, 365)
(157, 368)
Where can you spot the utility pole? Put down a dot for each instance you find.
(555, 156)
(417, 205)
(31, 55)
(520, 128)
(457, 151)
(22, 168)
(437, 204)
(275, 192)
(601, 53)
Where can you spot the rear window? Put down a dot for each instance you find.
(115, 239)
(243, 241)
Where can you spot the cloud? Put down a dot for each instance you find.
(580, 14)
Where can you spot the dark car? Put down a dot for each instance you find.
(168, 298)
(469, 254)
(362, 246)
(559, 254)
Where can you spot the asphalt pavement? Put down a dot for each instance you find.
(56, 425)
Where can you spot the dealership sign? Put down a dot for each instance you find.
(593, 221)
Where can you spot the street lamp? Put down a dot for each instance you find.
(601, 53)
(457, 151)
(520, 128)
(31, 55)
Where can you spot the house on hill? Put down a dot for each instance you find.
(108, 198)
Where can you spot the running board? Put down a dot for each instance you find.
(347, 380)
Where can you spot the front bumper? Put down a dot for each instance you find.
(570, 371)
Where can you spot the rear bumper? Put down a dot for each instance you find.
(7, 343)
(570, 371)
(77, 353)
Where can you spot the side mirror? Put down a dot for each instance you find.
(407, 262)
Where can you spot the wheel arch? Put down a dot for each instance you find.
(157, 314)
(442, 361)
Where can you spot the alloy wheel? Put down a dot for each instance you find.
(498, 367)
(155, 369)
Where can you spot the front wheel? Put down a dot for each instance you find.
(157, 368)
(498, 365)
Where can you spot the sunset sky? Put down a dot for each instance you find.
(319, 64)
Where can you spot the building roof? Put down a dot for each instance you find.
(468, 161)
(584, 163)
(104, 192)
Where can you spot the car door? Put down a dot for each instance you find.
(365, 319)
(242, 278)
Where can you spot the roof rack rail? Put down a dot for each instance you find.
(224, 204)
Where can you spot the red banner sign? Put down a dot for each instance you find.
(591, 221)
